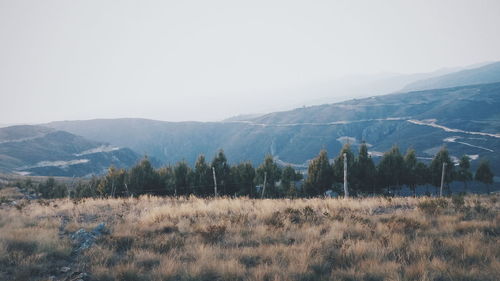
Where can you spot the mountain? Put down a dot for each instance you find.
(367, 85)
(39, 150)
(465, 119)
(362, 86)
(489, 73)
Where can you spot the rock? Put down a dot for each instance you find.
(77, 276)
(85, 239)
(65, 269)
(100, 229)
(52, 278)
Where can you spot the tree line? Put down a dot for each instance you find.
(270, 180)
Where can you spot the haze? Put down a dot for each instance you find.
(209, 60)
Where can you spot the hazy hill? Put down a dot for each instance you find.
(469, 114)
(362, 86)
(38, 150)
(489, 73)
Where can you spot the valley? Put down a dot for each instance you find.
(296, 136)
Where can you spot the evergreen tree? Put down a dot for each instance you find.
(52, 189)
(270, 171)
(113, 183)
(463, 174)
(167, 180)
(143, 178)
(288, 178)
(364, 172)
(410, 170)
(319, 175)
(87, 189)
(182, 179)
(243, 176)
(484, 174)
(203, 178)
(436, 168)
(391, 169)
(222, 173)
(422, 174)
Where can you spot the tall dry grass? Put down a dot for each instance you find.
(153, 238)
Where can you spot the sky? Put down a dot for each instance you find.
(209, 60)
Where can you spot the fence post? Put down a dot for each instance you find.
(264, 187)
(215, 182)
(442, 180)
(346, 191)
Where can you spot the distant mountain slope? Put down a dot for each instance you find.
(466, 119)
(468, 103)
(489, 73)
(38, 150)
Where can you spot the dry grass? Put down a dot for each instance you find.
(156, 238)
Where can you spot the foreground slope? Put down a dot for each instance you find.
(154, 238)
(466, 119)
(38, 150)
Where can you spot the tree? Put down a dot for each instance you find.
(52, 189)
(182, 176)
(463, 173)
(269, 171)
(338, 165)
(436, 168)
(113, 183)
(86, 189)
(203, 183)
(484, 174)
(222, 173)
(167, 180)
(410, 170)
(422, 174)
(288, 178)
(243, 176)
(364, 172)
(319, 175)
(391, 169)
(143, 178)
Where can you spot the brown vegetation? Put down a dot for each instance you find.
(154, 238)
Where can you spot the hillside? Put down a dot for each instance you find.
(164, 238)
(489, 73)
(466, 119)
(38, 150)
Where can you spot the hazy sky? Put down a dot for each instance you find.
(207, 60)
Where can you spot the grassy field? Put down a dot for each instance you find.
(154, 238)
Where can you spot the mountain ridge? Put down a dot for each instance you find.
(297, 135)
(39, 150)
(485, 74)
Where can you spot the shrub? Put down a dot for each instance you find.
(276, 220)
(25, 247)
(4, 199)
(432, 206)
(166, 245)
(122, 243)
(213, 233)
(130, 275)
(294, 215)
(250, 261)
(404, 225)
(458, 202)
